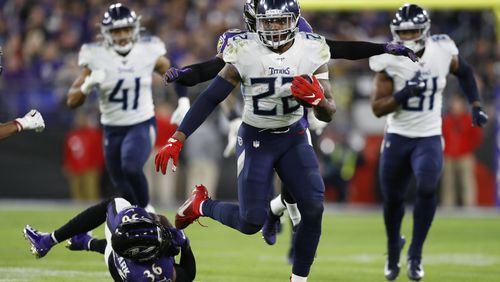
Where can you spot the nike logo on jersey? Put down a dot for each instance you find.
(33, 114)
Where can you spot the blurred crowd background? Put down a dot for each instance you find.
(41, 40)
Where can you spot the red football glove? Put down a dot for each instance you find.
(169, 151)
(311, 93)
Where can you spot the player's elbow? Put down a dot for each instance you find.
(72, 103)
(378, 111)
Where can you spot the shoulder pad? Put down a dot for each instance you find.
(445, 43)
(224, 38)
(440, 37)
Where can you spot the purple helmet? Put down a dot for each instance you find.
(249, 14)
(140, 238)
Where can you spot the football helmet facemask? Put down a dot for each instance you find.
(276, 21)
(120, 28)
(411, 17)
(249, 14)
(141, 239)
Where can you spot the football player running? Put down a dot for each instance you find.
(139, 246)
(268, 64)
(33, 120)
(121, 69)
(201, 72)
(411, 97)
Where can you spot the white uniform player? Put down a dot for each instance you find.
(411, 95)
(267, 76)
(269, 65)
(121, 68)
(421, 115)
(125, 96)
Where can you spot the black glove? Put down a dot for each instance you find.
(479, 117)
(414, 87)
(400, 50)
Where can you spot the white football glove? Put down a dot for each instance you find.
(95, 78)
(315, 124)
(183, 105)
(232, 135)
(32, 120)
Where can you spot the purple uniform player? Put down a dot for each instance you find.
(139, 246)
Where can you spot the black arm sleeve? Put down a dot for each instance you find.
(202, 72)
(85, 221)
(354, 50)
(186, 269)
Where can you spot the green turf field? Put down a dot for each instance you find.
(461, 248)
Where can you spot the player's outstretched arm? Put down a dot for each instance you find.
(465, 75)
(82, 86)
(32, 120)
(7, 129)
(355, 50)
(204, 105)
(196, 73)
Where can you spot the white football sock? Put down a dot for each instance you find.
(201, 208)
(149, 208)
(294, 213)
(296, 278)
(277, 206)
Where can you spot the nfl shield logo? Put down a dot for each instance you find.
(256, 144)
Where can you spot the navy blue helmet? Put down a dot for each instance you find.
(141, 239)
(119, 16)
(249, 14)
(411, 17)
(276, 21)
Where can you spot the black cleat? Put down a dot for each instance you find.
(415, 269)
(392, 266)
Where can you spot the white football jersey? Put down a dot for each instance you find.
(267, 76)
(421, 115)
(125, 97)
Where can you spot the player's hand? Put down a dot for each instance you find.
(479, 117)
(183, 105)
(315, 124)
(400, 50)
(170, 151)
(179, 238)
(310, 92)
(232, 135)
(174, 74)
(95, 78)
(33, 120)
(414, 87)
